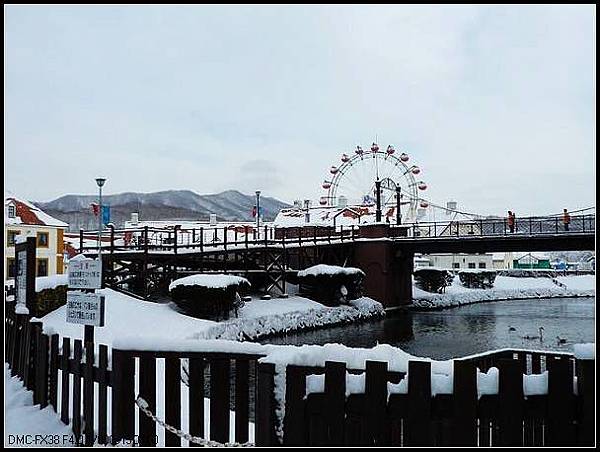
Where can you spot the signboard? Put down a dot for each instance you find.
(25, 276)
(85, 308)
(85, 274)
(105, 215)
(21, 278)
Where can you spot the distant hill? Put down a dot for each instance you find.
(230, 205)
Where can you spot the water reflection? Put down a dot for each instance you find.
(468, 329)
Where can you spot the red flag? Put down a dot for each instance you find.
(254, 211)
(95, 208)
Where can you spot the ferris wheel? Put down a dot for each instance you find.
(354, 181)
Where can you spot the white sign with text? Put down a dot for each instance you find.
(85, 308)
(85, 274)
(21, 283)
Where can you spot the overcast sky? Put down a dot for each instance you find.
(496, 104)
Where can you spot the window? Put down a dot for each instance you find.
(482, 265)
(471, 264)
(42, 267)
(42, 240)
(11, 237)
(10, 267)
(12, 211)
(455, 264)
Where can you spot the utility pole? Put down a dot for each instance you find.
(378, 198)
(398, 211)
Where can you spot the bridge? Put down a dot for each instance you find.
(145, 260)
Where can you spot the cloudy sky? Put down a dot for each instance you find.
(496, 104)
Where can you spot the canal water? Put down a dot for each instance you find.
(467, 329)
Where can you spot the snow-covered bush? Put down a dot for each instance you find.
(50, 294)
(331, 285)
(477, 279)
(432, 279)
(213, 297)
(528, 273)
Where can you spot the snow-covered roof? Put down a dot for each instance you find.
(353, 214)
(27, 213)
(534, 255)
(325, 216)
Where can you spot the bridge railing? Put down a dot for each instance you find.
(581, 224)
(216, 238)
(175, 239)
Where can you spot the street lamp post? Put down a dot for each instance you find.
(258, 210)
(100, 182)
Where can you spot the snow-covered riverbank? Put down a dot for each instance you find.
(258, 318)
(507, 288)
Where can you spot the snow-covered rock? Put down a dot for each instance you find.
(217, 281)
(322, 269)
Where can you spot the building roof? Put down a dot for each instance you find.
(534, 255)
(28, 214)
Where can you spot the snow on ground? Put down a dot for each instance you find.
(22, 417)
(506, 288)
(157, 321)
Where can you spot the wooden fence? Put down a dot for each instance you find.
(97, 398)
(416, 418)
(95, 394)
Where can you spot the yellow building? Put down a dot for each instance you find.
(21, 218)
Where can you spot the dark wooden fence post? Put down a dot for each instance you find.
(294, 431)
(123, 397)
(376, 400)
(560, 428)
(335, 401)
(88, 394)
(265, 406)
(464, 428)
(196, 397)
(76, 401)
(587, 395)
(242, 400)
(103, 394)
(418, 420)
(41, 369)
(219, 399)
(29, 358)
(147, 385)
(65, 384)
(53, 391)
(510, 408)
(172, 399)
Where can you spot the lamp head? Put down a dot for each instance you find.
(100, 181)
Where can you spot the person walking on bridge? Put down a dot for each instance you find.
(511, 221)
(566, 219)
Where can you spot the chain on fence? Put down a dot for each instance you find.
(144, 407)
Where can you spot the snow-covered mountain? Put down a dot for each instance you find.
(172, 204)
